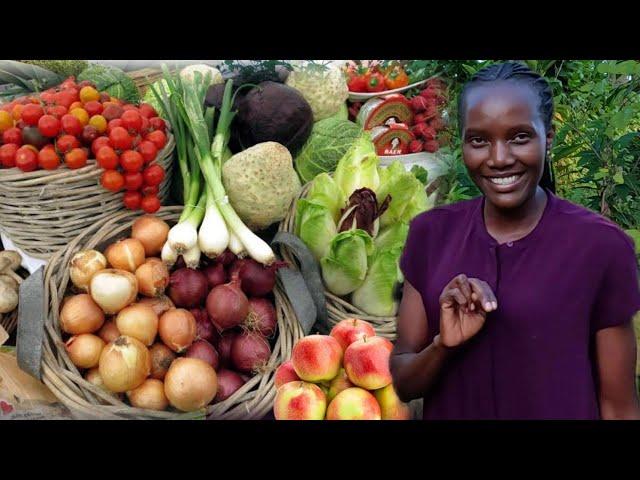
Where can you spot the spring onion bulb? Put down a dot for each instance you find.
(192, 257)
(235, 245)
(169, 255)
(213, 236)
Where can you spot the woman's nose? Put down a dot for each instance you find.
(500, 156)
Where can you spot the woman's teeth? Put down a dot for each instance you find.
(505, 180)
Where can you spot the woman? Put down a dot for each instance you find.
(516, 304)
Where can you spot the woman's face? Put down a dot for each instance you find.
(504, 142)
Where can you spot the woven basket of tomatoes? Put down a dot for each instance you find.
(72, 156)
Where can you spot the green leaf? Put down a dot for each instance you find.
(618, 178)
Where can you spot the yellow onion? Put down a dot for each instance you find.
(152, 232)
(80, 314)
(177, 329)
(190, 384)
(159, 304)
(84, 350)
(113, 289)
(124, 364)
(138, 321)
(127, 254)
(84, 265)
(109, 331)
(153, 277)
(93, 376)
(149, 395)
(161, 359)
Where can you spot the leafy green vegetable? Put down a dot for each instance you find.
(17, 78)
(358, 168)
(66, 68)
(325, 191)
(344, 267)
(329, 141)
(324, 87)
(315, 226)
(394, 236)
(408, 195)
(376, 295)
(151, 99)
(420, 173)
(113, 81)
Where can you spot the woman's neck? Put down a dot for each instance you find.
(514, 224)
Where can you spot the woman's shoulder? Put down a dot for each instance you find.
(444, 214)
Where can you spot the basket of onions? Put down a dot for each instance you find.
(128, 337)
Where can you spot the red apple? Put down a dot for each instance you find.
(338, 384)
(317, 358)
(354, 404)
(349, 330)
(285, 374)
(300, 401)
(366, 362)
(391, 406)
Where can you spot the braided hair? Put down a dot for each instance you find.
(517, 72)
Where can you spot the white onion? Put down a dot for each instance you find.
(113, 289)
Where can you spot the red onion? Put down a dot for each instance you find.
(250, 352)
(262, 317)
(204, 351)
(215, 275)
(204, 328)
(228, 383)
(227, 306)
(187, 287)
(224, 347)
(256, 280)
(180, 263)
(226, 258)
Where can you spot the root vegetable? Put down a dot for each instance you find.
(81, 314)
(227, 306)
(187, 287)
(229, 382)
(113, 289)
(8, 298)
(250, 352)
(152, 232)
(262, 317)
(159, 304)
(190, 384)
(138, 321)
(161, 359)
(84, 265)
(204, 328)
(84, 350)
(215, 275)
(149, 395)
(124, 364)
(256, 280)
(177, 329)
(204, 351)
(10, 259)
(224, 347)
(109, 331)
(127, 254)
(153, 277)
(9, 282)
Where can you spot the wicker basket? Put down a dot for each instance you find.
(43, 211)
(9, 321)
(252, 401)
(144, 77)
(337, 308)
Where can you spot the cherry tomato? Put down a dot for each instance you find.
(147, 111)
(75, 105)
(88, 94)
(131, 120)
(133, 181)
(66, 97)
(104, 97)
(81, 114)
(98, 143)
(150, 190)
(150, 204)
(158, 138)
(153, 175)
(48, 159)
(116, 122)
(132, 200)
(107, 158)
(12, 135)
(99, 122)
(146, 126)
(31, 114)
(120, 138)
(86, 83)
(57, 111)
(112, 180)
(66, 143)
(8, 155)
(49, 126)
(157, 124)
(6, 121)
(76, 158)
(136, 141)
(131, 161)
(148, 150)
(93, 108)
(71, 125)
(128, 106)
(16, 111)
(68, 83)
(26, 159)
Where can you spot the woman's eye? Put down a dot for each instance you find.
(476, 141)
(521, 137)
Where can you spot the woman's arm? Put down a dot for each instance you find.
(616, 359)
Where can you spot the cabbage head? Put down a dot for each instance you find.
(376, 295)
(344, 267)
(315, 226)
(408, 195)
(325, 191)
(358, 168)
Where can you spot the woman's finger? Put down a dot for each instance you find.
(452, 295)
(484, 294)
(462, 282)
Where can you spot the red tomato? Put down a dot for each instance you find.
(68, 83)
(8, 155)
(150, 204)
(98, 143)
(158, 138)
(146, 126)
(26, 159)
(49, 126)
(128, 106)
(107, 158)
(31, 114)
(133, 181)
(57, 111)
(148, 150)
(48, 159)
(132, 200)
(71, 125)
(66, 143)
(157, 124)
(153, 175)
(93, 108)
(66, 97)
(131, 120)
(131, 161)
(150, 190)
(76, 158)
(112, 180)
(120, 138)
(116, 122)
(147, 111)
(12, 135)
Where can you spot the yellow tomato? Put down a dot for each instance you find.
(89, 94)
(81, 114)
(75, 105)
(99, 122)
(17, 111)
(6, 120)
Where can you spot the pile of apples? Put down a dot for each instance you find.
(341, 376)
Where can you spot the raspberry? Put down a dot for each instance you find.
(424, 131)
(419, 104)
(416, 146)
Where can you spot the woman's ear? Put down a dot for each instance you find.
(550, 136)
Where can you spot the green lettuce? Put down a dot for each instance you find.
(325, 191)
(315, 226)
(408, 195)
(358, 168)
(393, 236)
(344, 267)
(376, 295)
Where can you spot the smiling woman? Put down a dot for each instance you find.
(517, 304)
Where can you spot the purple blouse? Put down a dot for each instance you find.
(574, 274)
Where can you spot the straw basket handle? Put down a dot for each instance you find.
(30, 334)
(303, 287)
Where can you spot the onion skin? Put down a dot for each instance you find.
(149, 395)
(249, 352)
(256, 280)
(109, 331)
(262, 317)
(204, 351)
(84, 265)
(124, 364)
(113, 289)
(204, 328)
(138, 321)
(215, 275)
(152, 232)
(81, 314)
(226, 258)
(187, 287)
(127, 254)
(229, 382)
(227, 306)
(159, 304)
(153, 277)
(84, 350)
(177, 329)
(161, 359)
(224, 347)
(190, 384)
